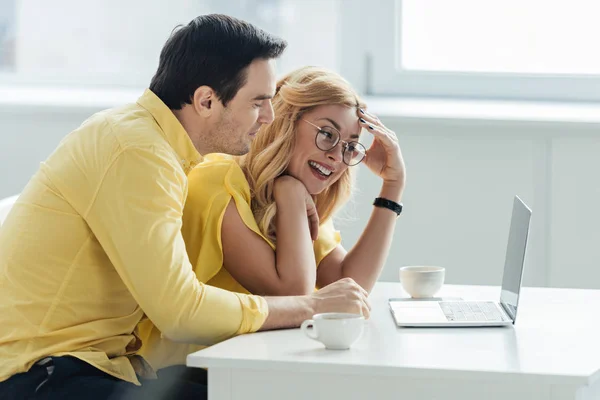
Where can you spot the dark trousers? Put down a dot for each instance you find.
(70, 378)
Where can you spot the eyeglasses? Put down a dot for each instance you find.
(327, 138)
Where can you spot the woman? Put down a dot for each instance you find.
(262, 223)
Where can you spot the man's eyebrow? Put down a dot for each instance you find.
(262, 97)
(337, 126)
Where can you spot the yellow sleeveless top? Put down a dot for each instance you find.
(212, 184)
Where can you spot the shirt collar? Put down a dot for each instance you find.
(172, 130)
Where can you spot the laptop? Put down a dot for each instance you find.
(461, 313)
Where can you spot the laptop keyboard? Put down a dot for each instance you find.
(471, 311)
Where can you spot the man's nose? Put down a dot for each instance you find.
(266, 115)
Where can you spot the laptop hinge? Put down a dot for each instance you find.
(507, 311)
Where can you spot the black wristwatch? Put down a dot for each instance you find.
(389, 204)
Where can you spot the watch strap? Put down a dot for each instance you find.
(389, 204)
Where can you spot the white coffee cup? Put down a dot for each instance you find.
(337, 331)
(422, 281)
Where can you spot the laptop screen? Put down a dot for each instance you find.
(515, 257)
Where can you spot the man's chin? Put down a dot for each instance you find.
(242, 150)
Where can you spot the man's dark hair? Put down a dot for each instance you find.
(212, 50)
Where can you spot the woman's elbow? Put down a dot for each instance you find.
(298, 288)
(282, 288)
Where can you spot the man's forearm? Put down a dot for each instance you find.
(288, 312)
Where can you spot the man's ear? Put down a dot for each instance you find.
(203, 101)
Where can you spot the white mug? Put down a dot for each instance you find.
(337, 331)
(422, 281)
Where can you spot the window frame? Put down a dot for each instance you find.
(380, 76)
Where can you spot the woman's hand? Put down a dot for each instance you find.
(287, 190)
(384, 157)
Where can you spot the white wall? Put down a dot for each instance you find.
(27, 138)
(462, 176)
(118, 42)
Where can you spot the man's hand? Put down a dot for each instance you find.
(344, 296)
(288, 189)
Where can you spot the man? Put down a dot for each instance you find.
(94, 244)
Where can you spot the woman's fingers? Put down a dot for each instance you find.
(313, 217)
(387, 138)
(372, 120)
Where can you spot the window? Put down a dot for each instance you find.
(117, 43)
(512, 36)
(511, 49)
(524, 49)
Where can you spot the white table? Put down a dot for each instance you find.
(553, 352)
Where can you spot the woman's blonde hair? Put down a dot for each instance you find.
(297, 93)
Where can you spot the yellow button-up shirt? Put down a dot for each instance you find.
(94, 243)
(212, 185)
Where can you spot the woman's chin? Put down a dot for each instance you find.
(315, 189)
(315, 185)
